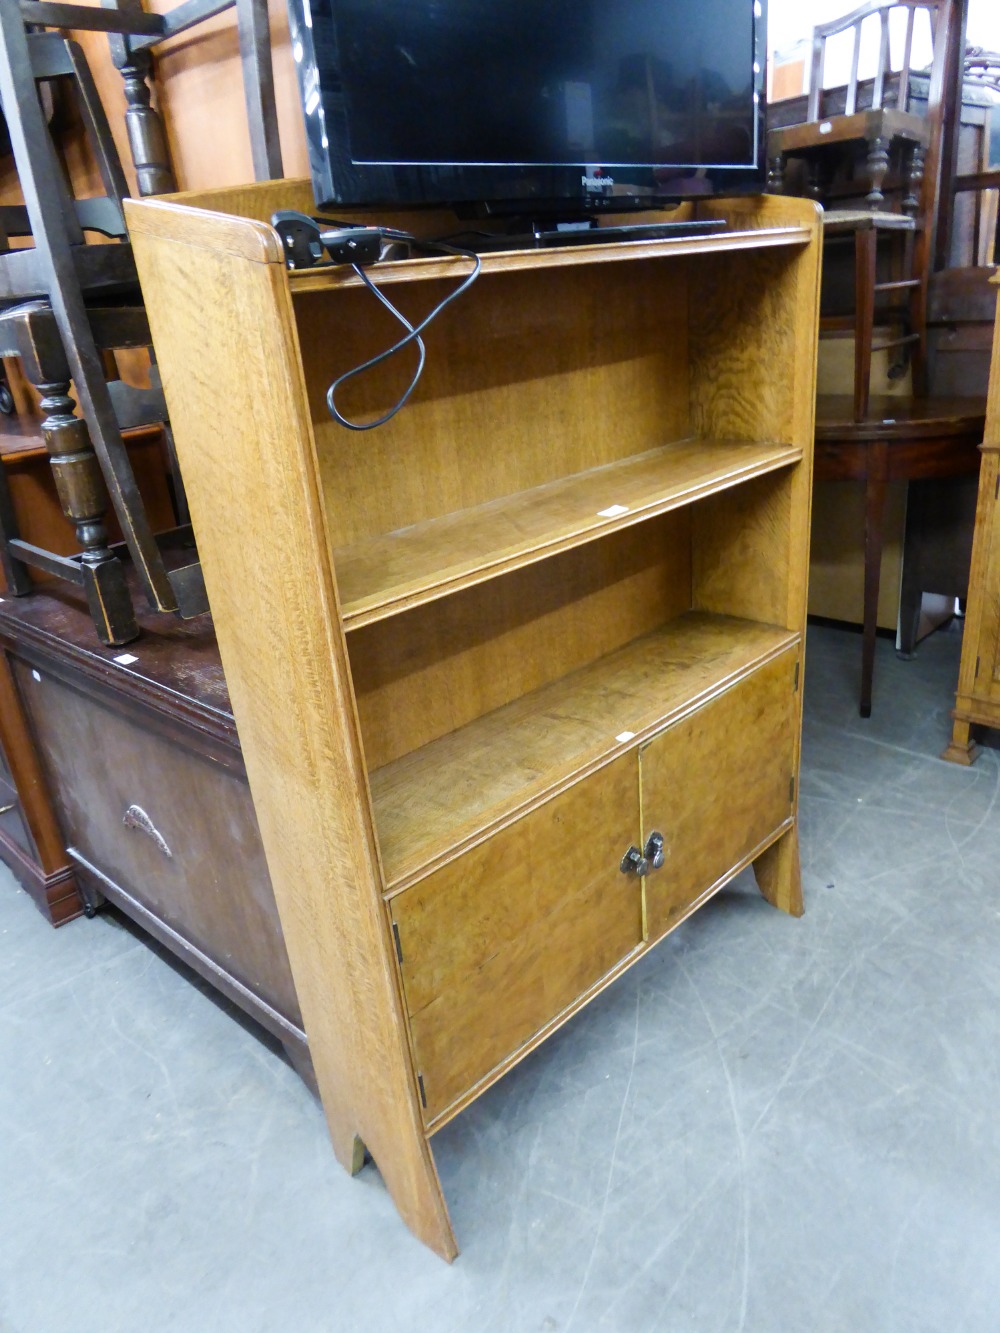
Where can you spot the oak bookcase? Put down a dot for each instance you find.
(479, 657)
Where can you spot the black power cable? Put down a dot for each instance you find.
(306, 239)
(413, 335)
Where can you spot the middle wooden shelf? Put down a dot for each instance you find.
(439, 800)
(391, 572)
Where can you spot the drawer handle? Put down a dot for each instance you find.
(135, 817)
(6, 809)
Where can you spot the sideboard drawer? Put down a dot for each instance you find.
(172, 827)
(496, 945)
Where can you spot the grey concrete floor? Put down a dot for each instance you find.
(768, 1124)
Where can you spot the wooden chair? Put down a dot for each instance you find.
(51, 291)
(847, 145)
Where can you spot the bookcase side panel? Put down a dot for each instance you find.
(227, 346)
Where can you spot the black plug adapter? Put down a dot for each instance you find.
(352, 245)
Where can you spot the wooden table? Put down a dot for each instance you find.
(906, 439)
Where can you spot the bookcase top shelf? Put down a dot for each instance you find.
(443, 798)
(426, 269)
(395, 571)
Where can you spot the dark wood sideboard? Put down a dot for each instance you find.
(138, 754)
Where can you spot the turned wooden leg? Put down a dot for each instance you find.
(776, 174)
(874, 519)
(913, 179)
(146, 137)
(80, 487)
(962, 748)
(75, 470)
(779, 874)
(878, 165)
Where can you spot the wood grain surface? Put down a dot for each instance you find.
(433, 803)
(452, 750)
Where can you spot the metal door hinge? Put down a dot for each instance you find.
(791, 790)
(399, 947)
(996, 489)
(795, 682)
(977, 666)
(423, 1094)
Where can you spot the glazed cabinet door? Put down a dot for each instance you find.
(498, 945)
(715, 785)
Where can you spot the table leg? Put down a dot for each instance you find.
(864, 317)
(875, 486)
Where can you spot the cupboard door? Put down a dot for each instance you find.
(499, 943)
(716, 784)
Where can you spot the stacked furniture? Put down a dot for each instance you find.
(862, 437)
(518, 675)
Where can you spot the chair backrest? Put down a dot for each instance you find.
(939, 12)
(57, 58)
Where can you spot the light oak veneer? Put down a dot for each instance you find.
(463, 692)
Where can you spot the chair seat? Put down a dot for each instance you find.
(850, 219)
(880, 122)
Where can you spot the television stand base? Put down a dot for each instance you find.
(544, 238)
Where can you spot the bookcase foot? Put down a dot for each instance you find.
(962, 749)
(779, 874)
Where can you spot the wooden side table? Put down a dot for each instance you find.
(906, 439)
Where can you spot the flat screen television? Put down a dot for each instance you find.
(530, 105)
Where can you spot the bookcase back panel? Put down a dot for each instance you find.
(746, 546)
(423, 674)
(743, 346)
(529, 377)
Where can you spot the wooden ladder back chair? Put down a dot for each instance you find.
(67, 302)
(874, 116)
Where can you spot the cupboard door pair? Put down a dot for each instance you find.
(499, 945)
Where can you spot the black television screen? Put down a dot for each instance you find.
(467, 101)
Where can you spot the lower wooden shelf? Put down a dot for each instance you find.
(438, 801)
